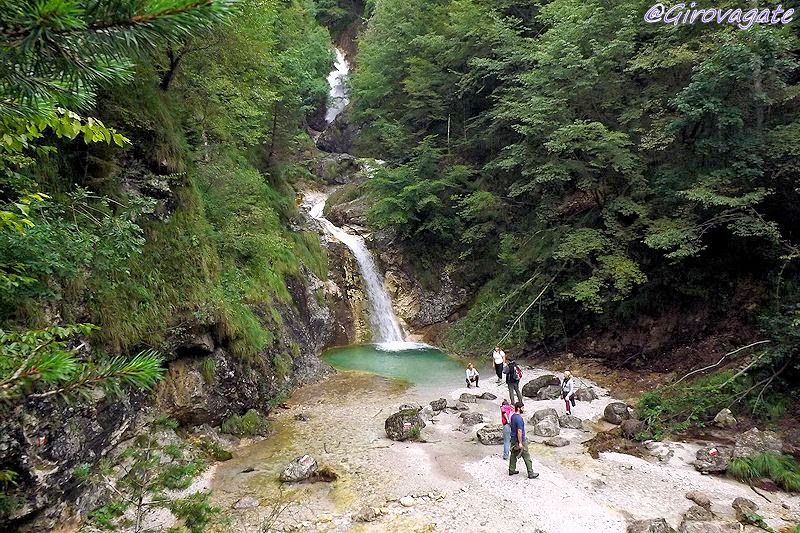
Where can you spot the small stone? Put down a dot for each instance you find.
(743, 508)
(407, 501)
(468, 398)
(471, 419)
(653, 525)
(302, 417)
(585, 394)
(570, 422)
(712, 459)
(616, 412)
(699, 498)
(410, 407)
(458, 406)
(248, 502)
(631, 428)
(490, 434)
(487, 396)
(557, 442)
(300, 469)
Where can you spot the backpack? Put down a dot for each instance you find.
(514, 373)
(517, 372)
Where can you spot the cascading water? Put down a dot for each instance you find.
(385, 326)
(337, 80)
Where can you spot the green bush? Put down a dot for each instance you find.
(251, 424)
(196, 511)
(180, 476)
(105, 516)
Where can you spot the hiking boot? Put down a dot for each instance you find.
(534, 475)
(511, 473)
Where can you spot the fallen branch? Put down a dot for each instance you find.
(709, 367)
(754, 490)
(527, 309)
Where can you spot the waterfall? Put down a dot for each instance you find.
(337, 80)
(386, 329)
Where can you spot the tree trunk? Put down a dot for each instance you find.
(169, 75)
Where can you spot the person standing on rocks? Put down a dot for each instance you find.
(499, 358)
(568, 391)
(513, 375)
(520, 443)
(506, 411)
(472, 376)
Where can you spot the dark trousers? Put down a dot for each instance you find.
(471, 380)
(498, 369)
(512, 388)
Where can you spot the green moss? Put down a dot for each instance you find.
(251, 424)
(208, 368)
(215, 451)
(281, 365)
(105, 516)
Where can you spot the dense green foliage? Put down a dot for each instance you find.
(579, 166)
(782, 469)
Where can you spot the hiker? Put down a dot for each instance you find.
(520, 443)
(568, 391)
(513, 375)
(472, 376)
(499, 358)
(506, 410)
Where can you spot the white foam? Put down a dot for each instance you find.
(399, 346)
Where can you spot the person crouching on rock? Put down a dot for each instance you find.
(472, 376)
(568, 391)
(520, 443)
(506, 410)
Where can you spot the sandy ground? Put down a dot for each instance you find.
(457, 483)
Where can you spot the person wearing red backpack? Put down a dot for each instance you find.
(513, 376)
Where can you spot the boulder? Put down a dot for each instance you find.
(407, 501)
(712, 459)
(692, 526)
(403, 424)
(556, 442)
(491, 434)
(471, 419)
(570, 422)
(439, 405)
(652, 525)
(585, 394)
(754, 442)
(248, 502)
(487, 396)
(458, 406)
(531, 388)
(410, 407)
(550, 392)
(699, 498)
(616, 412)
(631, 428)
(695, 513)
(725, 419)
(468, 398)
(300, 469)
(542, 414)
(427, 413)
(744, 510)
(336, 169)
(547, 427)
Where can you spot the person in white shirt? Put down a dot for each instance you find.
(568, 391)
(472, 376)
(499, 357)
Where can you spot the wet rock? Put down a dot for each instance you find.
(744, 509)
(410, 407)
(551, 392)
(302, 417)
(616, 412)
(557, 442)
(754, 442)
(547, 427)
(631, 428)
(471, 419)
(696, 513)
(336, 169)
(248, 502)
(725, 419)
(531, 388)
(712, 459)
(541, 414)
(439, 405)
(367, 514)
(487, 396)
(653, 525)
(699, 498)
(468, 398)
(403, 425)
(491, 434)
(407, 501)
(300, 469)
(570, 422)
(339, 135)
(585, 394)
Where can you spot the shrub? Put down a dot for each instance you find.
(782, 469)
(250, 424)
